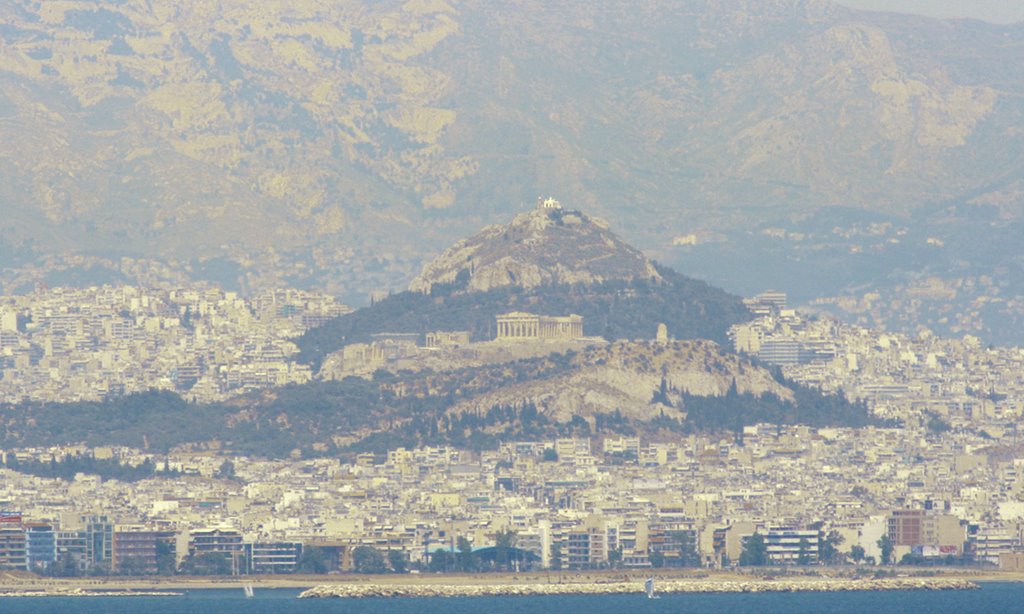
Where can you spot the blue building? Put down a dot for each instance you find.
(41, 545)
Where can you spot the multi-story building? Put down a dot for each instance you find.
(99, 532)
(676, 546)
(727, 543)
(766, 303)
(788, 546)
(926, 534)
(273, 557)
(73, 549)
(13, 550)
(989, 544)
(140, 551)
(41, 545)
(223, 541)
(781, 352)
(586, 546)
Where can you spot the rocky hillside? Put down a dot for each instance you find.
(625, 388)
(626, 377)
(293, 131)
(551, 262)
(542, 247)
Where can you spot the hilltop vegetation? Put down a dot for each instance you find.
(391, 410)
(67, 467)
(617, 309)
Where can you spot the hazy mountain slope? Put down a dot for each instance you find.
(193, 127)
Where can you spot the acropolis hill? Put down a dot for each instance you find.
(546, 245)
(551, 273)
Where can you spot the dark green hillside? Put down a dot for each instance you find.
(809, 407)
(155, 420)
(408, 409)
(614, 310)
(272, 424)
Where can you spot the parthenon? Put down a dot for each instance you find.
(521, 325)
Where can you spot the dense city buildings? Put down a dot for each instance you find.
(907, 377)
(617, 501)
(202, 342)
(936, 483)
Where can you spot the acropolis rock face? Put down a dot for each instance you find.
(622, 377)
(543, 246)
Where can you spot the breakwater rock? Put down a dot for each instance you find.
(610, 588)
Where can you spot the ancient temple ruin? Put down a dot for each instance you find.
(521, 325)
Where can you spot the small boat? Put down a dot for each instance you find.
(649, 588)
(248, 591)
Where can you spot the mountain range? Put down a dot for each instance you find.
(205, 130)
(339, 145)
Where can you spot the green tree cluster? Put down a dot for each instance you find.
(755, 551)
(886, 546)
(443, 561)
(107, 468)
(735, 410)
(367, 559)
(556, 556)
(207, 564)
(313, 560)
(828, 548)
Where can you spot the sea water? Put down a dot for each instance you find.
(993, 597)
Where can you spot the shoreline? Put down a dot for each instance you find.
(829, 585)
(685, 579)
(78, 592)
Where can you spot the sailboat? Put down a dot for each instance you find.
(649, 588)
(248, 591)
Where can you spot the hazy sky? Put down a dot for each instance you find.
(997, 11)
